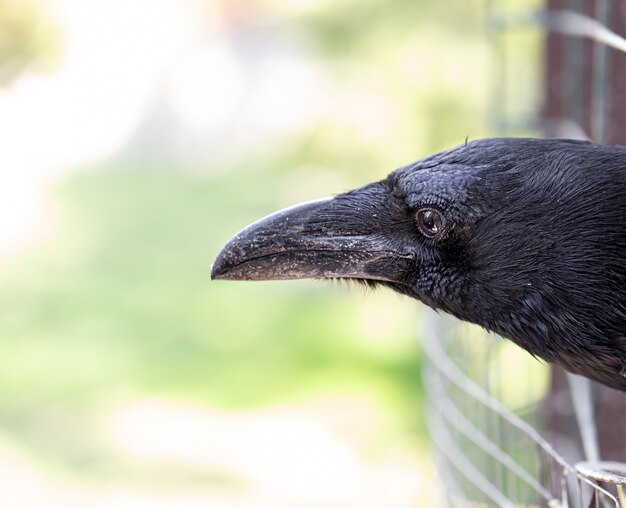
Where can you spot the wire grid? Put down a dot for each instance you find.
(488, 455)
(577, 26)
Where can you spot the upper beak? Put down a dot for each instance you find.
(349, 236)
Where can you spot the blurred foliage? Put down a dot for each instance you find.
(120, 304)
(356, 27)
(28, 39)
(417, 76)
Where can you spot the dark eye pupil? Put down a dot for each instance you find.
(430, 222)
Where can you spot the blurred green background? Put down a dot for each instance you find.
(138, 138)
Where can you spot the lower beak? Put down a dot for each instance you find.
(341, 237)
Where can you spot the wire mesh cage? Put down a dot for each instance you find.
(507, 430)
(489, 454)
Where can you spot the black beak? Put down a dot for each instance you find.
(360, 235)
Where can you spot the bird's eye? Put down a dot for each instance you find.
(431, 223)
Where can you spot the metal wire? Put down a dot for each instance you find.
(481, 463)
(487, 454)
(582, 398)
(578, 25)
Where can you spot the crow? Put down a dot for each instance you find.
(524, 237)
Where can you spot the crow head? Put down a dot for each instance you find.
(524, 237)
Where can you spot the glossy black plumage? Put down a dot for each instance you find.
(534, 246)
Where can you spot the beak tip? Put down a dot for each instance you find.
(216, 274)
(220, 268)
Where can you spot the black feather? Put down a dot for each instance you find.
(530, 243)
(538, 248)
